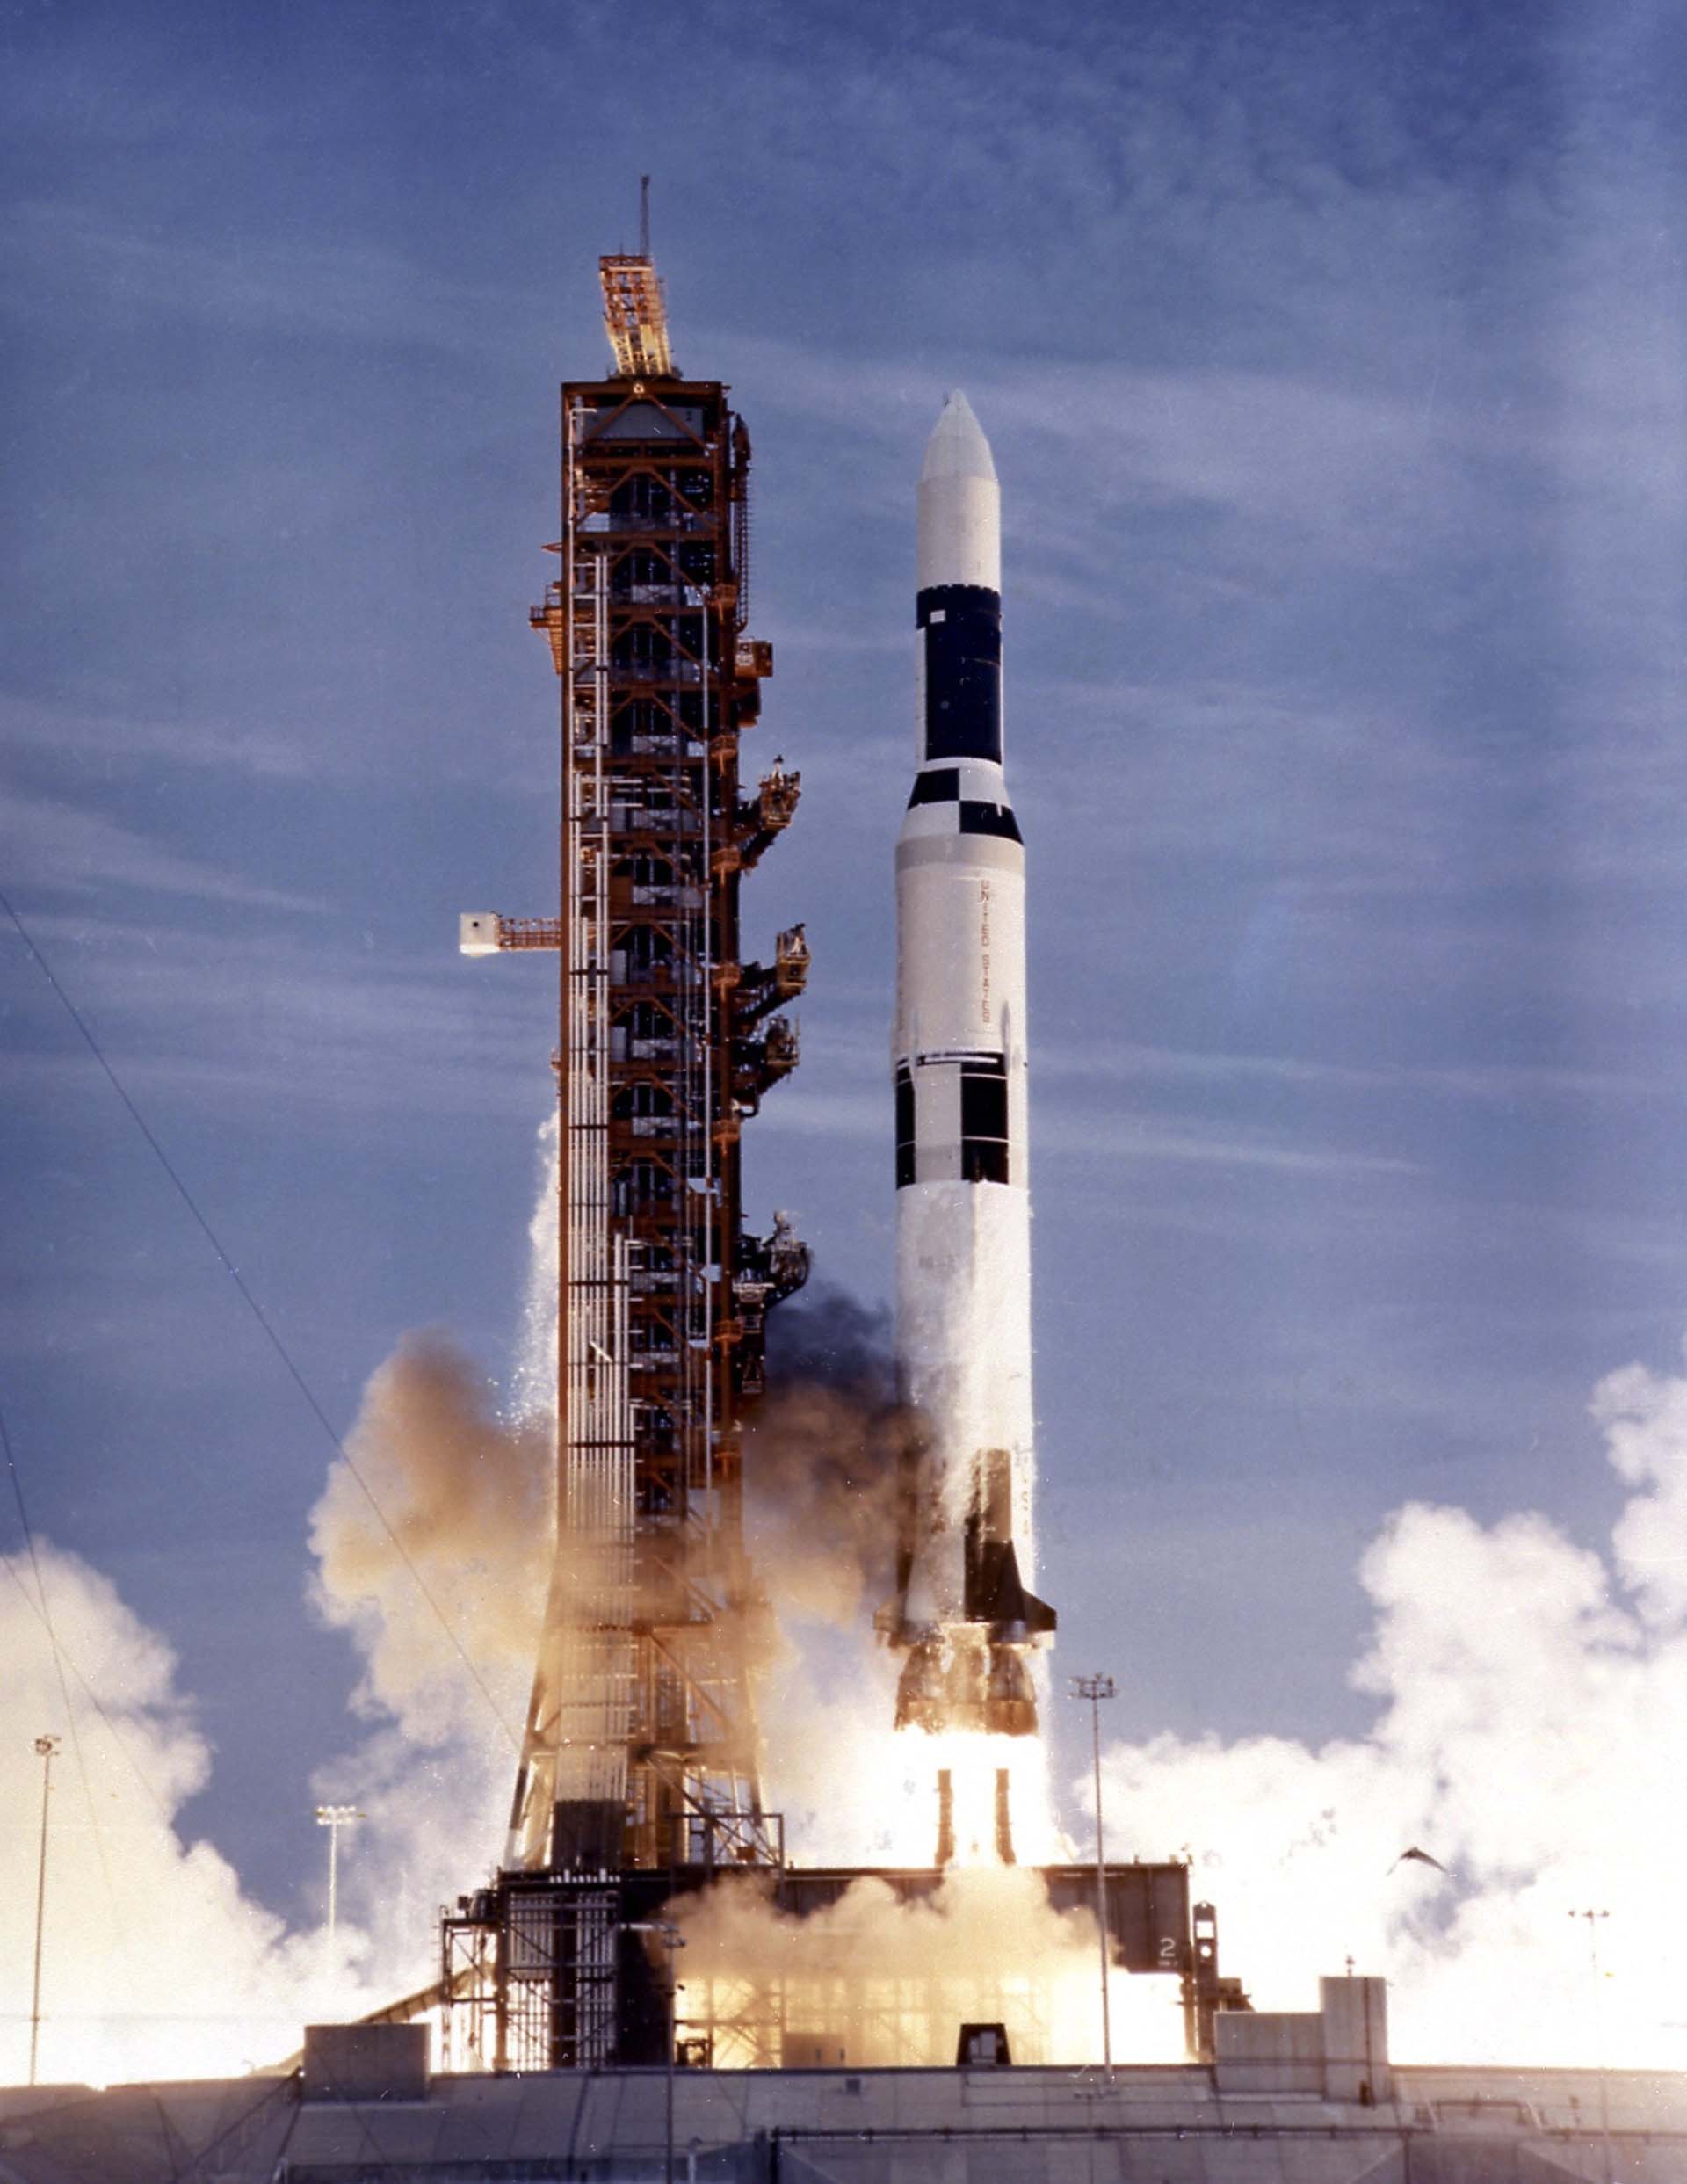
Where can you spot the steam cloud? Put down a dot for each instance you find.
(154, 1962)
(1532, 1734)
(158, 1963)
(888, 1983)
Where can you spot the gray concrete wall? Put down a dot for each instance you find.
(1342, 2051)
(365, 2062)
(1013, 2126)
(1354, 2014)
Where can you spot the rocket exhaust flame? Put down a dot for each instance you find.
(962, 1612)
(838, 1469)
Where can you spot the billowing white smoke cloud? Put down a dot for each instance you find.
(153, 1961)
(888, 1983)
(1532, 1735)
(156, 1963)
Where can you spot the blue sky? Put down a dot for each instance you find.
(1332, 360)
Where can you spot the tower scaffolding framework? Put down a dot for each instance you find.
(641, 1750)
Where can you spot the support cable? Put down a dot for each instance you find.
(263, 1319)
(93, 1696)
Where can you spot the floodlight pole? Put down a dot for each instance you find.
(1592, 1917)
(1095, 1688)
(671, 1939)
(45, 1747)
(333, 1817)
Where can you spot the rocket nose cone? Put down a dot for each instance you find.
(958, 447)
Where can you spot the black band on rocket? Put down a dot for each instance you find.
(979, 1151)
(942, 786)
(962, 624)
(989, 819)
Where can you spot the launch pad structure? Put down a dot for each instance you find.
(524, 1996)
(640, 1749)
(639, 1780)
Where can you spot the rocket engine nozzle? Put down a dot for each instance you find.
(959, 1679)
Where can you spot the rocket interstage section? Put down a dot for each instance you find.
(962, 1611)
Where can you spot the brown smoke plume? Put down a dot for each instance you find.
(875, 1982)
(466, 1496)
(824, 1475)
(823, 1470)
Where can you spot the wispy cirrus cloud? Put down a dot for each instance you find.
(87, 737)
(1481, 1082)
(57, 848)
(1132, 1138)
(296, 1025)
(56, 253)
(843, 1097)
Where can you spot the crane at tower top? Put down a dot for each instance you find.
(635, 317)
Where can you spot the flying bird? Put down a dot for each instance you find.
(1422, 1858)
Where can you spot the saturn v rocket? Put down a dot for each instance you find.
(961, 1612)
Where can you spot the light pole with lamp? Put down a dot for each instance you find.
(671, 1939)
(1593, 1918)
(1095, 1688)
(333, 1817)
(45, 1747)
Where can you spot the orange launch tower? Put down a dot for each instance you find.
(640, 1747)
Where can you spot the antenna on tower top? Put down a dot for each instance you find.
(644, 215)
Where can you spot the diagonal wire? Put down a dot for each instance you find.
(288, 2088)
(261, 1316)
(89, 1693)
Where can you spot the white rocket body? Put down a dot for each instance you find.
(963, 1208)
